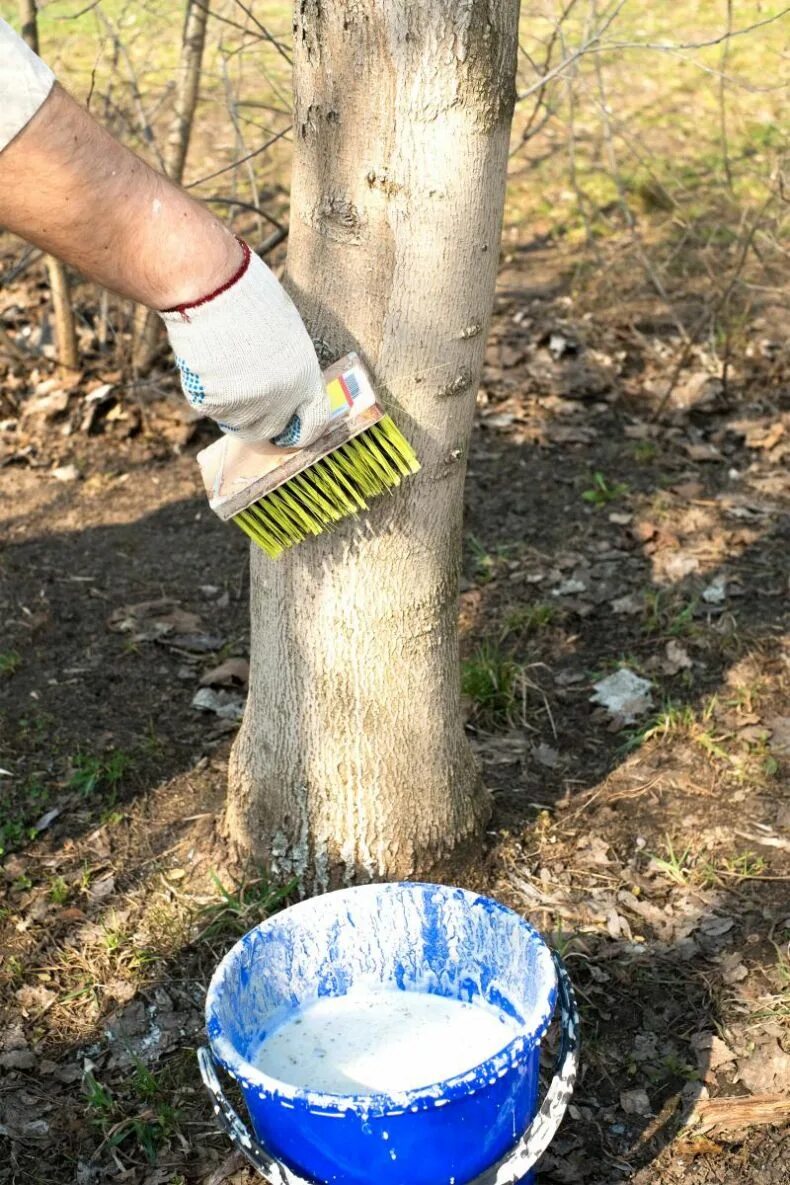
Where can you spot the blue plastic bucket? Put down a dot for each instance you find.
(482, 1126)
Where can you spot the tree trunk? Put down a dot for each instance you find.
(65, 327)
(352, 762)
(147, 326)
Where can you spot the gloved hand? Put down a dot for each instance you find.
(247, 360)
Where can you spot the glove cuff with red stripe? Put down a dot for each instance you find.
(246, 359)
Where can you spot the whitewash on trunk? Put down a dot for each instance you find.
(352, 763)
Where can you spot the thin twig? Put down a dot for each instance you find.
(725, 53)
(232, 201)
(235, 164)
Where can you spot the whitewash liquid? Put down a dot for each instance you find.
(380, 1040)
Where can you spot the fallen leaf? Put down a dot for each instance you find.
(677, 658)
(102, 889)
(712, 1053)
(568, 678)
(679, 564)
(66, 473)
(714, 925)
(131, 1021)
(47, 819)
(571, 434)
(18, 1059)
(716, 591)
(559, 345)
(702, 452)
(149, 620)
(698, 390)
(643, 531)
(46, 406)
(624, 695)
(194, 643)
(99, 394)
(501, 420)
(545, 755)
(780, 735)
(699, 1146)
(221, 703)
(629, 604)
(688, 489)
(510, 355)
(765, 1070)
(568, 588)
(35, 998)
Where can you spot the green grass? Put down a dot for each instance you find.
(236, 910)
(494, 684)
(146, 1120)
(10, 662)
(683, 866)
(59, 890)
(487, 564)
(92, 775)
(531, 619)
(602, 492)
(644, 451)
(669, 613)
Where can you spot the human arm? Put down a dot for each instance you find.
(69, 187)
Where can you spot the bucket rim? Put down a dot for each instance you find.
(420, 1098)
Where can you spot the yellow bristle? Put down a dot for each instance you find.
(335, 487)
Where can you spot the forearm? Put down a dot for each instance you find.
(69, 187)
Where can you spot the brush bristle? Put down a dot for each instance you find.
(339, 484)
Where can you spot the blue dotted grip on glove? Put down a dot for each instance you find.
(290, 433)
(190, 381)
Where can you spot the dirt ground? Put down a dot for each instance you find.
(623, 609)
(613, 525)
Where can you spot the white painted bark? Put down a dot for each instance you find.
(352, 762)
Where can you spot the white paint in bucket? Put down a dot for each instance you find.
(372, 1041)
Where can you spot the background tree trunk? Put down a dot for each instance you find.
(352, 762)
(147, 326)
(63, 311)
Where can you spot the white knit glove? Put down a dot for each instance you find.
(247, 360)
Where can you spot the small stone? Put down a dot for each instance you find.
(635, 1102)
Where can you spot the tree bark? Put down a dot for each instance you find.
(60, 291)
(352, 762)
(147, 326)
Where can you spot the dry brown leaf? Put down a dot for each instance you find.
(231, 671)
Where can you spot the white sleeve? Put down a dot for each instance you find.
(25, 82)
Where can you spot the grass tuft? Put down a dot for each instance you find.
(495, 686)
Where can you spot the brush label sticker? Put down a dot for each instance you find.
(340, 398)
(345, 390)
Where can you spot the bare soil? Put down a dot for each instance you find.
(614, 521)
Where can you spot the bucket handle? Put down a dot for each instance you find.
(513, 1166)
